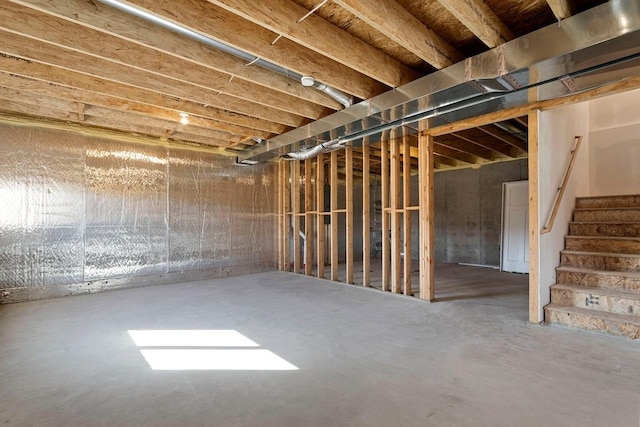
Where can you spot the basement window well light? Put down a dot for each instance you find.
(205, 350)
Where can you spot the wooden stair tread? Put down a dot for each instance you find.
(628, 274)
(629, 239)
(599, 291)
(613, 208)
(605, 315)
(615, 196)
(611, 254)
(606, 222)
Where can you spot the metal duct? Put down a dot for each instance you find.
(337, 95)
(593, 48)
(314, 151)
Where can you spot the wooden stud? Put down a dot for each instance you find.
(295, 193)
(534, 222)
(349, 211)
(396, 260)
(386, 247)
(427, 223)
(366, 216)
(320, 246)
(308, 225)
(288, 218)
(281, 215)
(334, 216)
(406, 197)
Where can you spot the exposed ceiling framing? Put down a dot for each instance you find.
(85, 63)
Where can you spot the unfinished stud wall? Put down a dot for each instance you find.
(468, 212)
(84, 214)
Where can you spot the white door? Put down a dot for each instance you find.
(515, 226)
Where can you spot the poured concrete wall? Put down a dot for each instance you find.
(84, 214)
(468, 206)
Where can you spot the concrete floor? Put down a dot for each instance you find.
(365, 358)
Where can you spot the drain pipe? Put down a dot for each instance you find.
(337, 95)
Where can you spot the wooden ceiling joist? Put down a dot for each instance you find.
(128, 29)
(480, 19)
(57, 56)
(282, 16)
(562, 9)
(231, 29)
(504, 136)
(50, 29)
(398, 24)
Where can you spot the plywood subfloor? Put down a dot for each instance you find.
(365, 358)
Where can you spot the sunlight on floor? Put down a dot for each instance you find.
(172, 356)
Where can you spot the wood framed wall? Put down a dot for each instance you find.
(303, 196)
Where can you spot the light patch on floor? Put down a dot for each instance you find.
(201, 357)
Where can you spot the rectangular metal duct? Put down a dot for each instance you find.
(593, 48)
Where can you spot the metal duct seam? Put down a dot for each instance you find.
(325, 147)
(336, 94)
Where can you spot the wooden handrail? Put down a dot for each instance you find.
(567, 173)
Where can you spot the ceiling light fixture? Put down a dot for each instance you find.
(184, 118)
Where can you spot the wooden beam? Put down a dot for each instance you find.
(534, 222)
(295, 194)
(334, 216)
(465, 146)
(427, 214)
(166, 108)
(69, 60)
(394, 21)
(384, 199)
(321, 36)
(320, 202)
(406, 198)
(366, 216)
(41, 106)
(349, 214)
(445, 151)
(308, 223)
(486, 141)
(480, 19)
(63, 33)
(562, 9)
(128, 28)
(233, 30)
(395, 188)
(504, 137)
(627, 84)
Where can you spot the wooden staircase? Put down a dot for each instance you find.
(598, 281)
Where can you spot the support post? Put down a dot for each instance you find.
(535, 315)
(427, 224)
